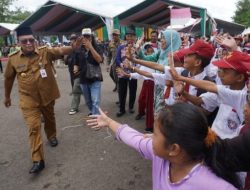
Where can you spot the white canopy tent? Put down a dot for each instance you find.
(246, 31)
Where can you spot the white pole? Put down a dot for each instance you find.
(171, 36)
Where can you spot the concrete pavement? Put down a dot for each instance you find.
(84, 159)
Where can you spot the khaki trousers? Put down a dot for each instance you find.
(32, 117)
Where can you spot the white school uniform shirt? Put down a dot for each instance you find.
(138, 76)
(192, 89)
(234, 98)
(160, 79)
(227, 122)
(211, 70)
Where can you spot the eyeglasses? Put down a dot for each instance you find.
(25, 41)
(87, 36)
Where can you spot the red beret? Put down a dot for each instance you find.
(236, 60)
(200, 48)
(179, 55)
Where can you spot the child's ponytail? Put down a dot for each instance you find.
(214, 158)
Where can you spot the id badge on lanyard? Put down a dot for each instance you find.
(42, 70)
(43, 73)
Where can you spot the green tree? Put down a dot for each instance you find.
(19, 15)
(4, 9)
(9, 14)
(242, 13)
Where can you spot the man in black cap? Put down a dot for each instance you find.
(123, 81)
(38, 89)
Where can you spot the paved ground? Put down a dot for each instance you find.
(85, 159)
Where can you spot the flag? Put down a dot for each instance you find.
(180, 16)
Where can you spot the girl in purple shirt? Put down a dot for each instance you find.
(182, 149)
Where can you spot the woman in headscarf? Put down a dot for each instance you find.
(170, 42)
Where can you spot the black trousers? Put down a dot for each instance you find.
(123, 86)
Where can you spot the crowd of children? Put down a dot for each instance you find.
(201, 113)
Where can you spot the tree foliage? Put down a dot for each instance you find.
(4, 9)
(242, 13)
(8, 14)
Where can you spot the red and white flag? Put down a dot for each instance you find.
(180, 16)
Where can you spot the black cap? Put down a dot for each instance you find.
(24, 31)
(130, 30)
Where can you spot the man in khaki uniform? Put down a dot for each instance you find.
(37, 90)
(113, 45)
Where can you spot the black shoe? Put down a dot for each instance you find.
(120, 113)
(149, 130)
(117, 103)
(115, 89)
(139, 116)
(90, 114)
(53, 142)
(131, 111)
(37, 167)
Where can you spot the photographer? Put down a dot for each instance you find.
(88, 61)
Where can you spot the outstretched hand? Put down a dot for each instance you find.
(121, 72)
(179, 87)
(140, 42)
(127, 64)
(77, 44)
(173, 71)
(87, 43)
(129, 52)
(228, 42)
(98, 121)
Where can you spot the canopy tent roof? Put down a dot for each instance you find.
(230, 27)
(225, 26)
(56, 18)
(154, 13)
(6, 28)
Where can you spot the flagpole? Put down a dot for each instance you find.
(171, 36)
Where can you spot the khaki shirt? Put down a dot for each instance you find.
(112, 48)
(34, 91)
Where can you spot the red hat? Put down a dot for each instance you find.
(238, 38)
(201, 48)
(236, 60)
(179, 55)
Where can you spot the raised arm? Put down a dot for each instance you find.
(150, 64)
(135, 69)
(96, 55)
(124, 133)
(202, 84)
(69, 49)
